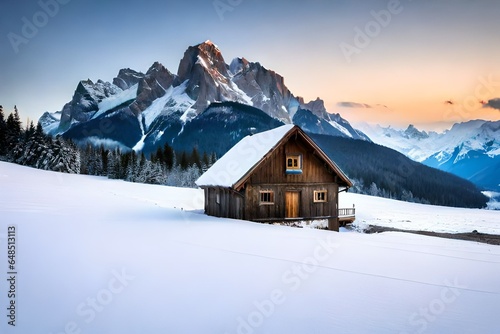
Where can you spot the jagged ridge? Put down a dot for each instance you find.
(155, 107)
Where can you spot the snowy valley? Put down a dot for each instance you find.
(106, 256)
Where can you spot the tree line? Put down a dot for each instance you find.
(375, 170)
(32, 147)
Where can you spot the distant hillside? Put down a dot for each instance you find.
(396, 176)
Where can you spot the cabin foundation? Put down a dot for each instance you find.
(333, 224)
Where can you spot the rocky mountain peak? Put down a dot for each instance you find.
(156, 67)
(127, 78)
(413, 132)
(85, 101)
(239, 65)
(206, 55)
(317, 107)
(152, 86)
(161, 74)
(83, 85)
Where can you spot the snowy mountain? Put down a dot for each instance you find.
(142, 111)
(470, 150)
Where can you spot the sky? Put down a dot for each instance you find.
(422, 62)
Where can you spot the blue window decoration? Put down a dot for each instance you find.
(293, 164)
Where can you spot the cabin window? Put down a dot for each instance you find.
(320, 196)
(266, 197)
(293, 164)
(217, 199)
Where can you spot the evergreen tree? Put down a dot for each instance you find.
(84, 153)
(407, 196)
(13, 130)
(151, 173)
(104, 160)
(39, 131)
(32, 148)
(213, 158)
(124, 162)
(65, 157)
(184, 162)
(175, 177)
(131, 168)
(205, 162)
(118, 170)
(374, 191)
(73, 157)
(141, 173)
(3, 130)
(113, 159)
(158, 175)
(19, 152)
(91, 163)
(194, 159)
(190, 176)
(142, 162)
(30, 130)
(168, 156)
(157, 157)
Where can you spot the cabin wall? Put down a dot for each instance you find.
(223, 202)
(272, 171)
(271, 175)
(254, 210)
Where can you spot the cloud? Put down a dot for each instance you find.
(109, 143)
(493, 103)
(353, 105)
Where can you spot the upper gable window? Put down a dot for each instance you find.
(293, 164)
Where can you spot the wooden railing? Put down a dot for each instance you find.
(346, 212)
(344, 215)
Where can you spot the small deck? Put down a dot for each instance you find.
(346, 216)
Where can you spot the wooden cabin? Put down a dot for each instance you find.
(276, 175)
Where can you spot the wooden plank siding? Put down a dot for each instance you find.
(230, 205)
(307, 207)
(273, 169)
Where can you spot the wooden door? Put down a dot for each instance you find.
(292, 201)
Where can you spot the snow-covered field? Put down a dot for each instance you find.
(104, 256)
(411, 216)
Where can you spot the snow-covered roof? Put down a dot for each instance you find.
(233, 165)
(230, 170)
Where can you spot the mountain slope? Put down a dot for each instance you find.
(222, 125)
(326, 124)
